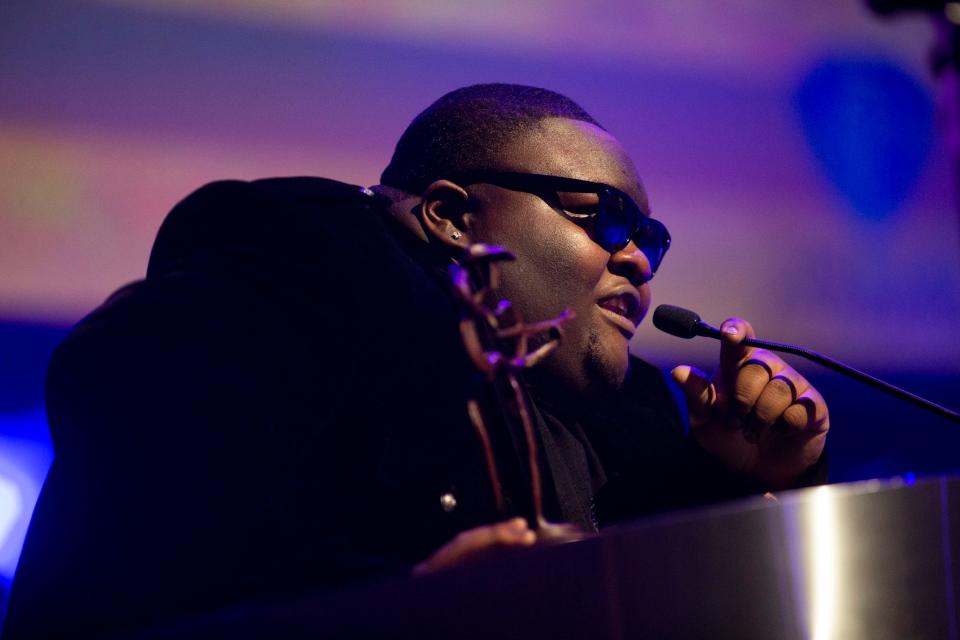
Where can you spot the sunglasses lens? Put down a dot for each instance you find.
(653, 240)
(614, 222)
(620, 221)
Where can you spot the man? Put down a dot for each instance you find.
(280, 405)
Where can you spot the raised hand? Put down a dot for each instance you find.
(756, 414)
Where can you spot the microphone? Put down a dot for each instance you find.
(684, 323)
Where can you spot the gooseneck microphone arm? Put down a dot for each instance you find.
(684, 323)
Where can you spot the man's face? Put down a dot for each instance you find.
(558, 265)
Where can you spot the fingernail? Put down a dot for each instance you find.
(529, 537)
(731, 330)
(518, 524)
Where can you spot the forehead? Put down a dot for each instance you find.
(575, 149)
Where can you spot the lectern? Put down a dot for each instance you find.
(870, 560)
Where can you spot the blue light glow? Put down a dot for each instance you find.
(870, 124)
(23, 466)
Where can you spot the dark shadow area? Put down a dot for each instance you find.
(873, 435)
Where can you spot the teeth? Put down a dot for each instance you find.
(617, 305)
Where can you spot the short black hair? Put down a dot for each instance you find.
(467, 128)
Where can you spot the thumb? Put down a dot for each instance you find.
(700, 393)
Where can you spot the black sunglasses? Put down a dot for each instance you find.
(616, 221)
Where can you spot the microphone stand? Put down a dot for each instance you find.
(703, 329)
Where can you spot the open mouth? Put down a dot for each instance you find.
(625, 306)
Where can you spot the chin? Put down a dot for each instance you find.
(606, 365)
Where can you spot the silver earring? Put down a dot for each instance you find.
(456, 235)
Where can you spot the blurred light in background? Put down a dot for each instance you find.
(870, 124)
(23, 466)
(740, 114)
(11, 507)
(25, 449)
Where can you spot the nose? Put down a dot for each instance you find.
(632, 264)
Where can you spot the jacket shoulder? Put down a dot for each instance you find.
(235, 215)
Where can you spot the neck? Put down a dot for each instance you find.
(565, 400)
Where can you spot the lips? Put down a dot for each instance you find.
(623, 308)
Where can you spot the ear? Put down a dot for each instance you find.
(445, 214)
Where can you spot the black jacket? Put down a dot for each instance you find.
(278, 408)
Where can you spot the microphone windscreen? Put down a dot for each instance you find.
(676, 321)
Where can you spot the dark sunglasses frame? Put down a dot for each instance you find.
(618, 219)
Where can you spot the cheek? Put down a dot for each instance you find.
(556, 268)
(646, 297)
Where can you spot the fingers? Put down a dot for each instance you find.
(700, 393)
(474, 543)
(769, 393)
(760, 417)
(733, 332)
(777, 396)
(513, 532)
(760, 388)
(757, 381)
(808, 412)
